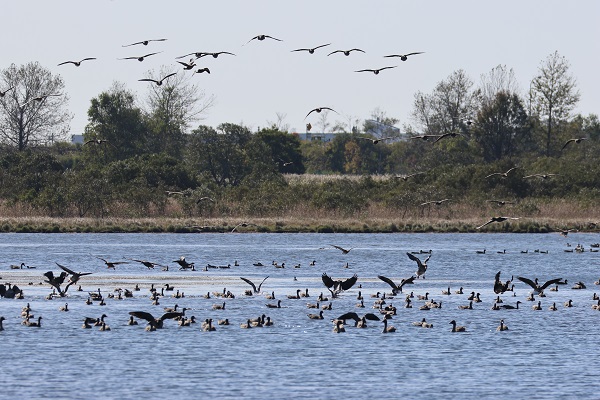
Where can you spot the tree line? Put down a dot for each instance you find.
(150, 161)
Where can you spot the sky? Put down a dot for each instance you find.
(266, 80)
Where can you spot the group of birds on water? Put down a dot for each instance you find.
(337, 288)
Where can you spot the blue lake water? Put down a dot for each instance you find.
(544, 354)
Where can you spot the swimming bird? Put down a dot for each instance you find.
(144, 42)
(339, 327)
(386, 328)
(187, 66)
(247, 325)
(319, 109)
(376, 71)
(339, 285)
(263, 37)
(579, 285)
(37, 324)
(254, 288)
(404, 57)
(312, 50)
(345, 52)
(575, 140)
(140, 58)
(422, 265)
(223, 321)
(316, 316)
(132, 321)
(537, 306)
(502, 327)
(77, 63)
(569, 303)
(500, 287)
(510, 307)
(110, 264)
(496, 219)
(456, 328)
(64, 308)
(207, 326)
(155, 323)
(502, 174)
(158, 82)
(397, 288)
(271, 305)
(537, 289)
(219, 306)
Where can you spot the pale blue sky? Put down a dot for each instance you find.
(266, 78)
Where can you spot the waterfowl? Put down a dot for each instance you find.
(171, 309)
(531, 297)
(158, 82)
(2, 327)
(386, 328)
(104, 327)
(223, 321)
(500, 287)
(496, 219)
(502, 327)
(87, 322)
(37, 324)
(247, 325)
(144, 42)
(541, 176)
(345, 52)
(218, 306)
(397, 288)
(312, 50)
(376, 140)
(64, 308)
(305, 293)
(404, 57)
(510, 307)
(296, 296)
(553, 307)
(459, 291)
(537, 289)
(575, 140)
(112, 264)
(569, 303)
(263, 37)
(316, 316)
(312, 305)
(421, 265)
(361, 304)
(424, 297)
(579, 285)
(155, 323)
(89, 301)
(376, 71)
(278, 305)
(456, 328)
(140, 58)
(268, 322)
(595, 297)
(254, 287)
(502, 174)
(537, 306)
(339, 327)
(208, 327)
(76, 63)
(132, 321)
(339, 285)
(468, 307)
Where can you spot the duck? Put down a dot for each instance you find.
(423, 297)
(502, 326)
(458, 328)
(87, 322)
(446, 292)
(595, 297)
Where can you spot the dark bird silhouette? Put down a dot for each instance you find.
(140, 58)
(110, 264)
(159, 82)
(99, 142)
(77, 63)
(404, 57)
(263, 37)
(56, 281)
(75, 276)
(356, 318)
(144, 42)
(425, 137)
(155, 323)
(500, 202)
(201, 70)
(205, 198)
(39, 99)
(397, 288)
(243, 225)
(565, 232)
(502, 174)
(214, 55)
(254, 288)
(500, 287)
(339, 285)
(496, 219)
(445, 135)
(187, 66)
(376, 71)
(375, 141)
(436, 202)
(345, 52)
(319, 109)
(312, 50)
(183, 263)
(542, 176)
(3, 93)
(345, 251)
(575, 140)
(421, 265)
(537, 289)
(147, 264)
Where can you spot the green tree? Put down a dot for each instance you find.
(32, 112)
(554, 93)
(283, 149)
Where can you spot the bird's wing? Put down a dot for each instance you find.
(412, 54)
(348, 283)
(147, 80)
(414, 258)
(300, 50)
(66, 269)
(142, 315)
(388, 281)
(327, 280)
(427, 259)
(310, 112)
(274, 38)
(393, 66)
(528, 281)
(365, 70)
(336, 51)
(407, 281)
(372, 317)
(263, 281)
(362, 51)
(495, 173)
(567, 142)
(132, 44)
(550, 282)
(487, 223)
(88, 58)
(73, 62)
(349, 315)
(249, 282)
(170, 315)
(168, 76)
(497, 278)
(338, 247)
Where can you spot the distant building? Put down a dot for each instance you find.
(77, 139)
(380, 130)
(321, 137)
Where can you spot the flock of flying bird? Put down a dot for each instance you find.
(384, 310)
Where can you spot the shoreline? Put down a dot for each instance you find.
(288, 225)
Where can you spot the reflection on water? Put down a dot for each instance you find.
(299, 357)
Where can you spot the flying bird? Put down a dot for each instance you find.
(501, 202)
(421, 265)
(187, 66)
(500, 287)
(110, 264)
(404, 57)
(215, 54)
(375, 71)
(201, 70)
(319, 109)
(375, 141)
(345, 52)
(445, 135)
(75, 276)
(147, 264)
(155, 323)
(140, 58)
(345, 251)
(502, 174)
(312, 50)
(542, 176)
(338, 285)
(144, 42)
(537, 289)
(254, 288)
(425, 137)
(77, 63)
(576, 140)
(98, 142)
(263, 37)
(436, 202)
(496, 219)
(397, 288)
(159, 82)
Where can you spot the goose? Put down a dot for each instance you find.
(386, 328)
(579, 285)
(144, 42)
(312, 50)
(377, 140)
(2, 327)
(425, 297)
(278, 305)
(263, 37)
(89, 301)
(296, 296)
(500, 287)
(480, 251)
(468, 307)
(554, 289)
(537, 289)
(318, 110)
(575, 140)
(359, 296)
(502, 174)
(404, 57)
(569, 303)
(86, 323)
(339, 327)
(595, 297)
(510, 307)
(132, 321)
(268, 322)
(354, 316)
(531, 297)
(397, 288)
(501, 252)
(104, 327)
(376, 71)
(496, 219)
(140, 58)
(255, 289)
(421, 265)
(495, 307)
(502, 327)
(112, 264)
(3, 93)
(345, 52)
(208, 327)
(343, 250)
(419, 323)
(316, 316)
(76, 63)
(171, 309)
(312, 305)
(155, 323)
(218, 306)
(456, 328)
(223, 321)
(553, 307)
(37, 324)
(537, 306)
(498, 300)
(247, 325)
(541, 176)
(183, 264)
(64, 308)
(99, 321)
(459, 291)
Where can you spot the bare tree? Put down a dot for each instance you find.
(323, 123)
(499, 79)
(280, 123)
(32, 110)
(554, 93)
